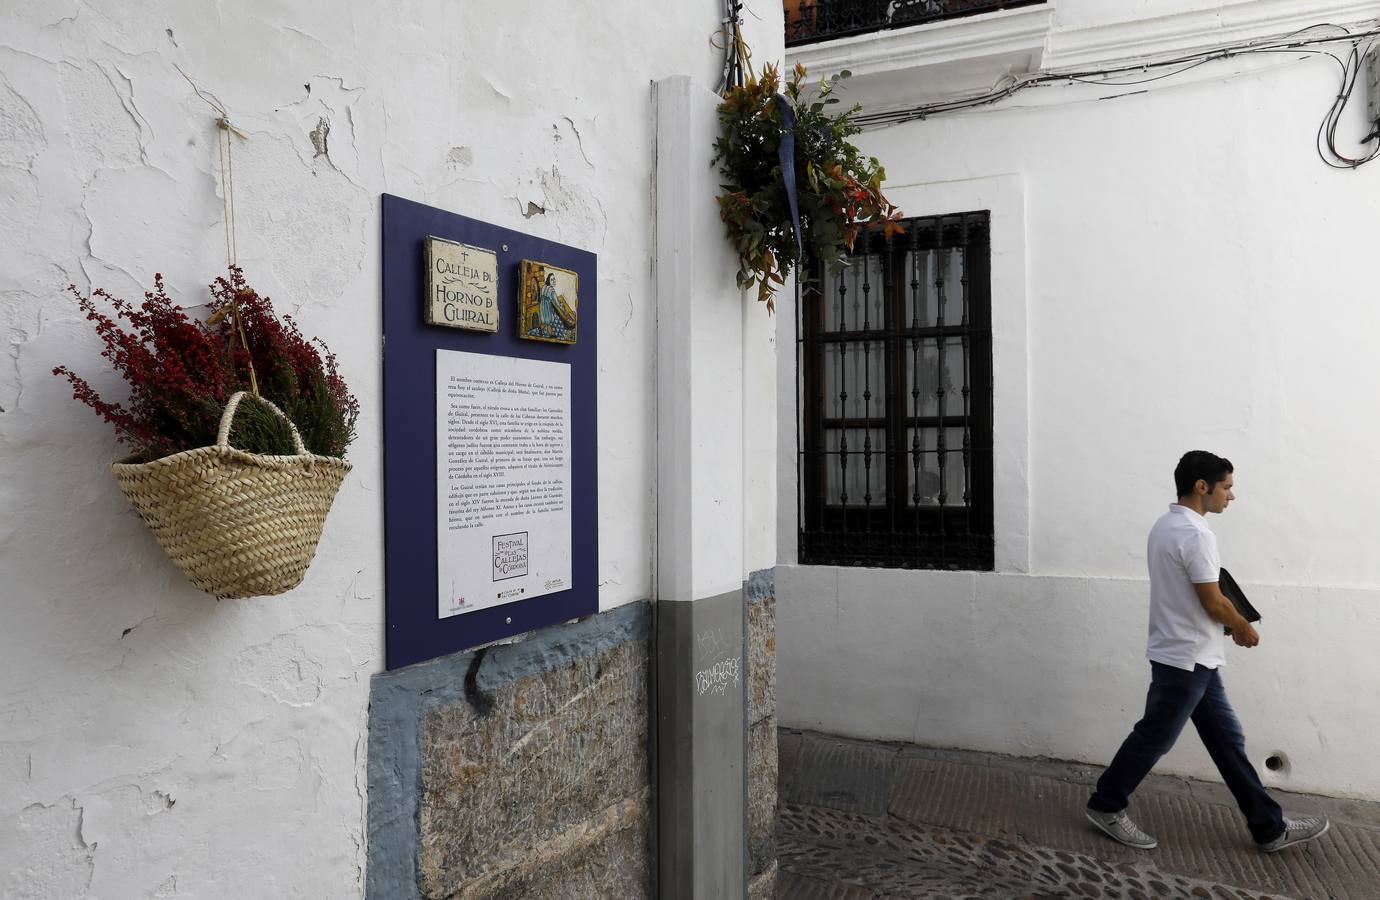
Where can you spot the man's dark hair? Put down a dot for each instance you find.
(1197, 464)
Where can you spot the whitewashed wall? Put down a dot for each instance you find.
(154, 742)
(1193, 276)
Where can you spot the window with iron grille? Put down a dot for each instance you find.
(895, 367)
(810, 21)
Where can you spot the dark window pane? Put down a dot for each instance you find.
(860, 473)
(855, 379)
(923, 383)
(932, 275)
(854, 297)
(926, 487)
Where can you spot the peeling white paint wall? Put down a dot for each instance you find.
(154, 742)
(1194, 277)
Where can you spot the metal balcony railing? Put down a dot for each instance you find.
(811, 21)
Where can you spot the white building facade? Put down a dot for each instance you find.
(1172, 267)
(153, 741)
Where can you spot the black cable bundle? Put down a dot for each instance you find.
(1138, 73)
(734, 48)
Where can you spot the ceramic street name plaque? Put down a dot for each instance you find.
(461, 285)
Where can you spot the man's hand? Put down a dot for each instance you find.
(1219, 608)
(1245, 635)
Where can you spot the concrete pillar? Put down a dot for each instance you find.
(700, 666)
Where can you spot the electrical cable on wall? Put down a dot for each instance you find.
(736, 53)
(1140, 73)
(1327, 131)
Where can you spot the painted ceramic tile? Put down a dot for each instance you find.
(548, 306)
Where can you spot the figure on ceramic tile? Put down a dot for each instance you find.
(549, 303)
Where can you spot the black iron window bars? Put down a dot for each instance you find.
(895, 393)
(809, 21)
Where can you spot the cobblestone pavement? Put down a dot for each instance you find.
(825, 854)
(862, 820)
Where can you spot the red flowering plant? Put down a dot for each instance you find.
(182, 371)
(838, 189)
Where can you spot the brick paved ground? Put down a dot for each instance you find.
(862, 820)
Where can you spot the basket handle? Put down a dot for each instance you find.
(223, 436)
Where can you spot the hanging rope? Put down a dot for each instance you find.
(225, 147)
(227, 178)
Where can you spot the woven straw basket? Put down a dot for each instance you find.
(237, 524)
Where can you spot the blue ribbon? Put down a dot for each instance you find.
(786, 152)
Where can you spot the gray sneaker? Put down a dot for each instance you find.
(1119, 827)
(1296, 831)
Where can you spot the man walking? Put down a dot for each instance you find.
(1186, 650)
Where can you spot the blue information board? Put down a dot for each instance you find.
(415, 630)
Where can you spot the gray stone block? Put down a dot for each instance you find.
(554, 752)
(606, 856)
(763, 759)
(762, 774)
(519, 770)
(761, 653)
(763, 885)
(761, 583)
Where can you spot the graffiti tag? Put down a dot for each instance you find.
(717, 678)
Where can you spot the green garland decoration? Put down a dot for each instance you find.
(839, 191)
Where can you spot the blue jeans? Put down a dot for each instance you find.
(1175, 696)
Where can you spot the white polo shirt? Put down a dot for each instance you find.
(1181, 552)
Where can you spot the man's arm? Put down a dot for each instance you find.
(1221, 610)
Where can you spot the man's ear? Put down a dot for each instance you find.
(1201, 487)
